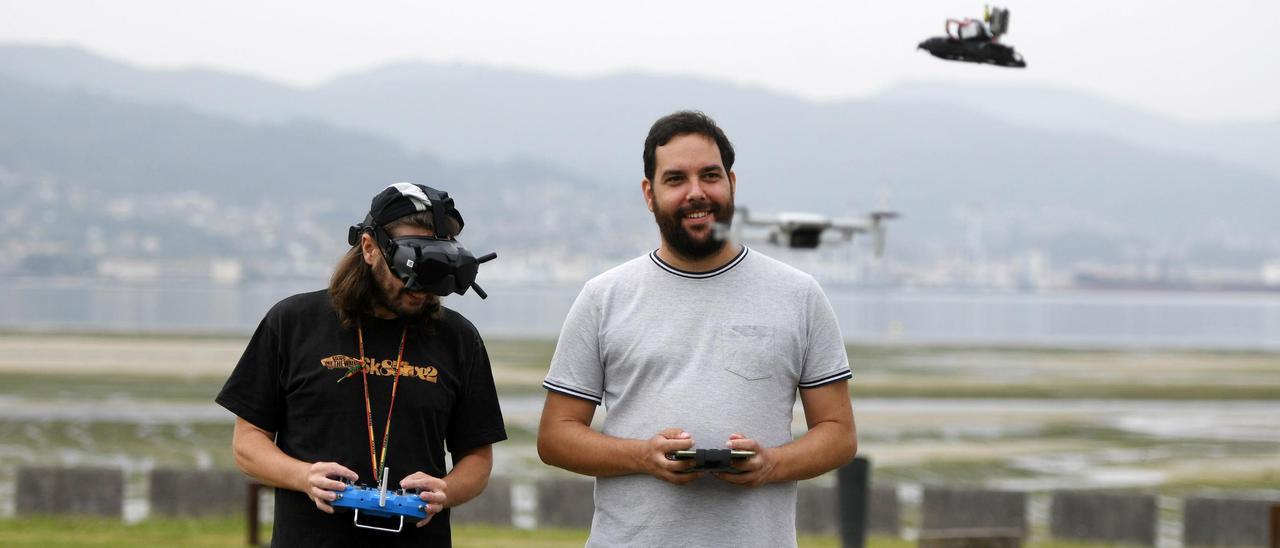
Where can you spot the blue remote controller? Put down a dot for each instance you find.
(365, 499)
(381, 503)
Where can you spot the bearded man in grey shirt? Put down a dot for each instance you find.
(702, 343)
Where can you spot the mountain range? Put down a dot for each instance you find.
(547, 160)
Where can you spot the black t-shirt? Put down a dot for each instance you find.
(287, 382)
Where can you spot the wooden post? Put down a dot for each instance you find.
(853, 495)
(1275, 525)
(251, 507)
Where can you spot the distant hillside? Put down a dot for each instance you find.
(1252, 145)
(131, 148)
(74, 163)
(68, 68)
(1076, 190)
(802, 155)
(430, 91)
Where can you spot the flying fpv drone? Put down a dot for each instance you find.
(976, 41)
(805, 230)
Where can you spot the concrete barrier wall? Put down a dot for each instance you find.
(566, 502)
(960, 509)
(70, 491)
(569, 503)
(885, 512)
(492, 507)
(1107, 518)
(196, 493)
(816, 509)
(1210, 521)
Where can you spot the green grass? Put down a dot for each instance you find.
(168, 388)
(517, 434)
(1013, 350)
(885, 371)
(524, 353)
(56, 532)
(1234, 481)
(880, 371)
(164, 444)
(104, 533)
(951, 472)
(1066, 391)
(38, 386)
(98, 532)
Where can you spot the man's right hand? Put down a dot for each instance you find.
(656, 463)
(321, 485)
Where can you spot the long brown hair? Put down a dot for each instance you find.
(353, 289)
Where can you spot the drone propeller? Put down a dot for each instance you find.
(877, 227)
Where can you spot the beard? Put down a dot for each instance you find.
(389, 293)
(685, 243)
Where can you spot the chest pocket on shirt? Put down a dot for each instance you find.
(747, 351)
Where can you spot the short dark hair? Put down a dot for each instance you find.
(684, 122)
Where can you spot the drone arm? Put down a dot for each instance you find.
(851, 226)
(761, 221)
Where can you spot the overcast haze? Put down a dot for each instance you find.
(1190, 61)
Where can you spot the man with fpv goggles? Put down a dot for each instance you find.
(369, 381)
(435, 264)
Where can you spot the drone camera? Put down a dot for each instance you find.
(804, 238)
(999, 21)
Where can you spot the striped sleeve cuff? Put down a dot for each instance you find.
(570, 391)
(841, 375)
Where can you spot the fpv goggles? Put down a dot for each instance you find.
(437, 265)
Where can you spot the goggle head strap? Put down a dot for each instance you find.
(441, 205)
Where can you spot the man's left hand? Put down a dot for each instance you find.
(432, 491)
(757, 470)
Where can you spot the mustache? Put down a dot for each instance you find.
(700, 205)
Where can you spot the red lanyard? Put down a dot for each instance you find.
(368, 408)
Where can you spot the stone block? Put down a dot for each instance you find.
(966, 509)
(885, 513)
(492, 507)
(817, 512)
(1208, 521)
(566, 502)
(196, 493)
(70, 491)
(815, 509)
(1105, 518)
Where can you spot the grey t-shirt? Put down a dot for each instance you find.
(713, 353)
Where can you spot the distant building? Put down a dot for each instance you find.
(221, 271)
(1271, 272)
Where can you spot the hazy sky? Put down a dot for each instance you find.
(1211, 61)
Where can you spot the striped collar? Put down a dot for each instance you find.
(653, 255)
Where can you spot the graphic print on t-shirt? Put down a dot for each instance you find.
(384, 368)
